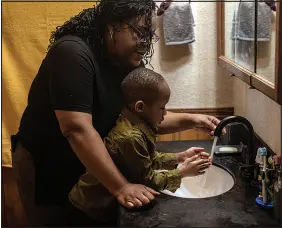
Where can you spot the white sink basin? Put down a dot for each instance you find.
(214, 182)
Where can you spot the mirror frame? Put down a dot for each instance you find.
(272, 90)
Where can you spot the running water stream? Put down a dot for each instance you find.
(205, 176)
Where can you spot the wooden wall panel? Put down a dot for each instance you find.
(184, 135)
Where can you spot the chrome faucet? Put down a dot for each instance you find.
(248, 156)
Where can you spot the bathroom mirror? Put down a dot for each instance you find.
(237, 48)
(249, 43)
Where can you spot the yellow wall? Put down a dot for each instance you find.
(26, 28)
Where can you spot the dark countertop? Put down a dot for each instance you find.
(235, 208)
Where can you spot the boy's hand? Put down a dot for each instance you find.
(194, 166)
(182, 156)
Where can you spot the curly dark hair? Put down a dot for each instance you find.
(91, 24)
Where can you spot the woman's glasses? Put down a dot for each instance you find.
(144, 36)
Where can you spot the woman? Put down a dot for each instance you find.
(75, 100)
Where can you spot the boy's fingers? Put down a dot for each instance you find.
(198, 149)
(201, 161)
(205, 154)
(193, 158)
(201, 172)
(195, 150)
(204, 166)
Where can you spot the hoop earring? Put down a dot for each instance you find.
(111, 34)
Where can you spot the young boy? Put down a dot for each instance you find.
(131, 144)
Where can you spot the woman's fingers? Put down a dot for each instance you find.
(149, 195)
(152, 191)
(128, 204)
(136, 195)
(136, 202)
(131, 202)
(124, 202)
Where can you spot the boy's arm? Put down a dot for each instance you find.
(139, 165)
(164, 160)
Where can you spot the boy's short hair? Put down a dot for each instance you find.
(141, 84)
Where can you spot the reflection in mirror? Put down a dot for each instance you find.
(240, 33)
(240, 36)
(266, 51)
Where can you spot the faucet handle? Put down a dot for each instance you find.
(246, 172)
(242, 166)
(245, 154)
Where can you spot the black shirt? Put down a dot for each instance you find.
(70, 78)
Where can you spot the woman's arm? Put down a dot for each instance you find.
(175, 122)
(88, 146)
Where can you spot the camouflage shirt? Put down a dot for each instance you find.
(131, 144)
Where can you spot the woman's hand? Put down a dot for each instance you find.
(176, 122)
(182, 156)
(135, 195)
(206, 123)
